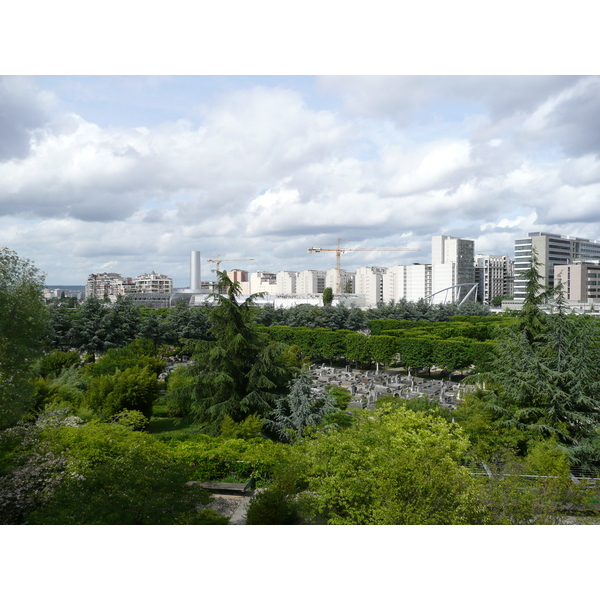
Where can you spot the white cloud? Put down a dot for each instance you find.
(266, 172)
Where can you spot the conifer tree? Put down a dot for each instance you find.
(301, 408)
(546, 374)
(237, 374)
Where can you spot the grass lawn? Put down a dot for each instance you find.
(164, 426)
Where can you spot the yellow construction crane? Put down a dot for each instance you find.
(339, 251)
(220, 260)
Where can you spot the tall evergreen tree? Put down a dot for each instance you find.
(531, 318)
(301, 408)
(546, 374)
(237, 374)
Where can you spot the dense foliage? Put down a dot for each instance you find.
(87, 388)
(239, 373)
(23, 322)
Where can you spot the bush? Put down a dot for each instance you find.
(272, 506)
(54, 363)
(132, 389)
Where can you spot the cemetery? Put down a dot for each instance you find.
(367, 387)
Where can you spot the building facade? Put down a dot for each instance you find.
(310, 281)
(287, 282)
(347, 279)
(495, 277)
(452, 264)
(369, 282)
(153, 283)
(580, 280)
(108, 285)
(552, 250)
(263, 282)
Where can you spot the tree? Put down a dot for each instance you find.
(237, 374)
(88, 333)
(106, 474)
(389, 467)
(60, 323)
(545, 375)
(327, 296)
(531, 318)
(300, 409)
(134, 388)
(121, 323)
(23, 326)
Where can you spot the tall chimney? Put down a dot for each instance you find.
(195, 271)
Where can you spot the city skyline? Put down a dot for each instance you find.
(129, 174)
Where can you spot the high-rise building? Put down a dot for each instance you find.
(495, 276)
(287, 282)
(452, 264)
(552, 249)
(369, 282)
(580, 280)
(108, 285)
(243, 278)
(263, 282)
(408, 282)
(153, 283)
(310, 281)
(346, 280)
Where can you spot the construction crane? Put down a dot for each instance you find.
(220, 260)
(339, 251)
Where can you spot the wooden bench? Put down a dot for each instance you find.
(232, 489)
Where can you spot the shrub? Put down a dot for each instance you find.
(273, 506)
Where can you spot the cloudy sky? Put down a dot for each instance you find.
(129, 174)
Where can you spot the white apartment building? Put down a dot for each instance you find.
(347, 280)
(581, 280)
(409, 282)
(495, 276)
(369, 282)
(242, 277)
(552, 250)
(287, 282)
(263, 282)
(452, 264)
(310, 281)
(108, 285)
(155, 283)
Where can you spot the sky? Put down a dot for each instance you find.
(128, 174)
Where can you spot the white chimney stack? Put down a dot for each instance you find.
(195, 282)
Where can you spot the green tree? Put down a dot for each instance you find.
(55, 362)
(300, 409)
(121, 323)
(531, 318)
(23, 326)
(389, 467)
(88, 333)
(239, 373)
(114, 476)
(545, 376)
(59, 330)
(327, 296)
(134, 388)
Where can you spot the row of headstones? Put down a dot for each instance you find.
(408, 387)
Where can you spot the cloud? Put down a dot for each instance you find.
(264, 172)
(23, 109)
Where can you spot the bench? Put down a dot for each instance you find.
(233, 489)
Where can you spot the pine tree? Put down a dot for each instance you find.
(531, 318)
(301, 408)
(548, 374)
(237, 374)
